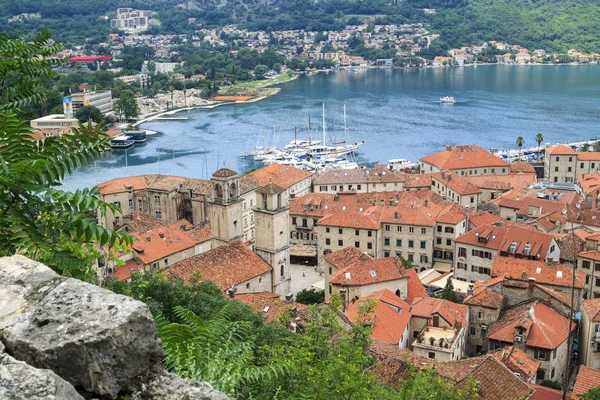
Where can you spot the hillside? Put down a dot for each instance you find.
(550, 24)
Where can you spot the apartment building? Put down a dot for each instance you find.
(485, 302)
(469, 160)
(590, 187)
(362, 180)
(102, 100)
(448, 226)
(588, 261)
(477, 249)
(538, 330)
(563, 164)
(131, 20)
(589, 347)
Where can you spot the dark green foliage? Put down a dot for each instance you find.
(88, 113)
(310, 296)
(593, 394)
(448, 292)
(126, 105)
(551, 384)
(36, 219)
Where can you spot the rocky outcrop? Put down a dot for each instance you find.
(99, 342)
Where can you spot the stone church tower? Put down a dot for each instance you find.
(225, 207)
(271, 216)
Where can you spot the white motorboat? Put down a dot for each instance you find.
(447, 100)
(400, 164)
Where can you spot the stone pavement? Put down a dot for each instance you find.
(300, 282)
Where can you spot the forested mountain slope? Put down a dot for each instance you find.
(555, 25)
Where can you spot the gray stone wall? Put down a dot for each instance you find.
(58, 334)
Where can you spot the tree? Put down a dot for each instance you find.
(310, 296)
(539, 138)
(151, 67)
(593, 394)
(448, 292)
(520, 142)
(126, 105)
(36, 219)
(260, 71)
(426, 384)
(406, 263)
(89, 113)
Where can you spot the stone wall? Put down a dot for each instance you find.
(61, 338)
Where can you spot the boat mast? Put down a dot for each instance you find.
(345, 131)
(309, 134)
(295, 140)
(324, 127)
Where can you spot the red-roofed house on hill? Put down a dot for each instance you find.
(231, 266)
(540, 331)
(485, 304)
(476, 249)
(563, 164)
(390, 317)
(456, 189)
(468, 160)
(589, 345)
(520, 363)
(438, 328)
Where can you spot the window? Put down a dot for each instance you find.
(399, 228)
(370, 233)
(357, 232)
(462, 252)
(461, 266)
(154, 265)
(387, 228)
(293, 235)
(554, 354)
(569, 169)
(370, 246)
(485, 171)
(593, 165)
(411, 229)
(552, 374)
(541, 355)
(327, 241)
(386, 254)
(555, 169)
(358, 187)
(424, 259)
(248, 285)
(439, 228)
(166, 261)
(140, 205)
(117, 221)
(448, 242)
(483, 332)
(340, 243)
(281, 270)
(416, 334)
(333, 187)
(327, 230)
(503, 170)
(340, 231)
(423, 231)
(423, 244)
(438, 241)
(315, 221)
(472, 199)
(322, 188)
(570, 159)
(581, 165)
(557, 158)
(293, 220)
(411, 243)
(158, 214)
(598, 282)
(449, 229)
(357, 244)
(157, 200)
(472, 331)
(411, 257)
(399, 242)
(117, 203)
(541, 374)
(304, 223)
(386, 241)
(130, 203)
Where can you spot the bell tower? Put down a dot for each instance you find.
(271, 218)
(225, 206)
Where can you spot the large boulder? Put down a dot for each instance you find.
(19, 381)
(158, 384)
(91, 337)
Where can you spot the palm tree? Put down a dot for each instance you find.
(520, 142)
(539, 138)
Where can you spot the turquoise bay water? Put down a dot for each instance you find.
(396, 112)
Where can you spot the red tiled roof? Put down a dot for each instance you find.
(524, 269)
(394, 364)
(589, 183)
(414, 181)
(521, 166)
(346, 256)
(560, 149)
(153, 181)
(415, 287)
(141, 222)
(518, 362)
(588, 156)
(369, 272)
(548, 329)
(484, 296)
(367, 219)
(455, 183)
(390, 317)
(464, 157)
(592, 309)
(163, 241)
(587, 379)
(281, 175)
(228, 265)
(260, 301)
(123, 272)
(453, 313)
(485, 218)
(545, 393)
(502, 182)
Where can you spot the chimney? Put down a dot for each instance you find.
(289, 298)
(448, 147)
(426, 202)
(161, 235)
(231, 291)
(470, 290)
(530, 282)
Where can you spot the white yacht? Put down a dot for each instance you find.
(447, 100)
(400, 164)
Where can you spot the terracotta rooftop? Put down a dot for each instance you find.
(560, 149)
(164, 241)
(587, 218)
(269, 305)
(141, 222)
(464, 157)
(377, 174)
(228, 265)
(545, 393)
(521, 166)
(588, 156)
(224, 173)
(587, 379)
(454, 182)
(366, 219)
(518, 362)
(346, 256)
(494, 380)
(484, 218)
(502, 238)
(416, 181)
(592, 309)
(270, 188)
(394, 364)
(369, 272)
(415, 287)
(589, 183)
(524, 270)
(281, 175)
(548, 329)
(453, 313)
(153, 182)
(502, 182)
(390, 317)
(485, 297)
(124, 272)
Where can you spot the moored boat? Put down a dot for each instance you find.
(447, 100)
